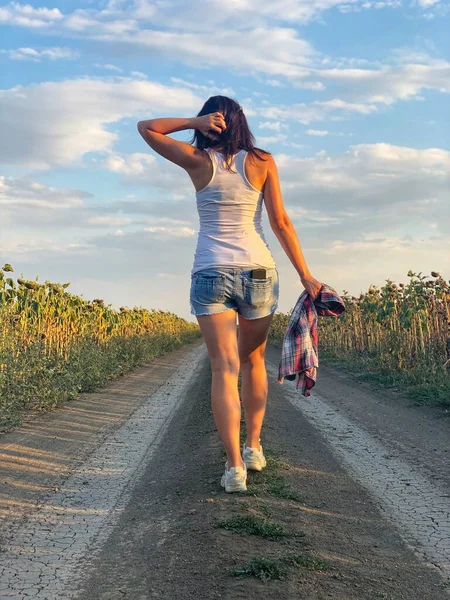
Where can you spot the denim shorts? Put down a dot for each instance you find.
(217, 289)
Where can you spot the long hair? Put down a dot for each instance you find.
(237, 135)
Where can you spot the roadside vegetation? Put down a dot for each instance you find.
(54, 345)
(268, 568)
(254, 525)
(396, 336)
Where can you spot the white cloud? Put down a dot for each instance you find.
(108, 67)
(391, 83)
(137, 163)
(118, 17)
(144, 168)
(274, 125)
(27, 205)
(186, 36)
(26, 15)
(340, 104)
(166, 232)
(318, 110)
(217, 13)
(271, 139)
(206, 90)
(54, 53)
(273, 51)
(32, 248)
(21, 193)
(369, 4)
(316, 86)
(180, 31)
(274, 83)
(317, 217)
(56, 123)
(368, 168)
(369, 185)
(372, 242)
(30, 210)
(425, 53)
(105, 221)
(368, 259)
(370, 188)
(427, 3)
(317, 132)
(295, 145)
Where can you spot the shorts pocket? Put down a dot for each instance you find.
(209, 288)
(257, 292)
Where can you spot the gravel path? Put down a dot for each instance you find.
(116, 495)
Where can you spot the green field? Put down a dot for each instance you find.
(396, 336)
(54, 344)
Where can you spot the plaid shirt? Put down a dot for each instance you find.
(299, 356)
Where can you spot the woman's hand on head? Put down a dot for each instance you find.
(211, 124)
(311, 285)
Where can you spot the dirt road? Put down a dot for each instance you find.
(117, 494)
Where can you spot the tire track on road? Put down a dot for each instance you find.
(43, 558)
(418, 508)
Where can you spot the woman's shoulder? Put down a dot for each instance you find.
(260, 155)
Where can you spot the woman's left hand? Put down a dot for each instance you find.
(311, 285)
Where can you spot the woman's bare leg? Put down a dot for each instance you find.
(251, 346)
(220, 334)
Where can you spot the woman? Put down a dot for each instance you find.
(234, 270)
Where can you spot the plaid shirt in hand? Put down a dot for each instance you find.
(299, 355)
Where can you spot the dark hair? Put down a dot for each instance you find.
(237, 135)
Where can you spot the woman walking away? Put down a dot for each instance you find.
(233, 270)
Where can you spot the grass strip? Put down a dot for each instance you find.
(276, 463)
(254, 525)
(268, 568)
(274, 485)
(262, 568)
(308, 562)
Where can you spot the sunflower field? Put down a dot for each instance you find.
(397, 335)
(54, 344)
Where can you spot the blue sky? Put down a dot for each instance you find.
(350, 97)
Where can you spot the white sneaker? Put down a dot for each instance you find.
(254, 458)
(234, 479)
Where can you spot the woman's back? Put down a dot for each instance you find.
(230, 212)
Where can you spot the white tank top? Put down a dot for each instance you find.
(229, 210)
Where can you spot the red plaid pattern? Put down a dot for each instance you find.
(299, 354)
